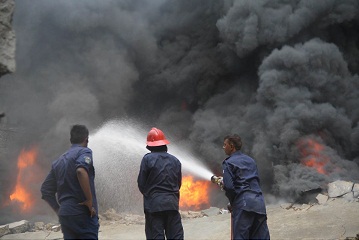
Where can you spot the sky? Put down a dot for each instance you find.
(283, 74)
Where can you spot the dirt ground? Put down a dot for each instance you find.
(336, 219)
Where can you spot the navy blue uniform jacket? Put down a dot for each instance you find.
(241, 183)
(62, 180)
(159, 180)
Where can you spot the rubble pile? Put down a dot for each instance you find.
(346, 191)
(26, 226)
(111, 216)
(212, 211)
(15, 227)
(338, 189)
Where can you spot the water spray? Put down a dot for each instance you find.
(190, 163)
(118, 147)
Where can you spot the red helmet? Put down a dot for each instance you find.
(155, 138)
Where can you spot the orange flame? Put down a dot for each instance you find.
(194, 194)
(312, 155)
(21, 194)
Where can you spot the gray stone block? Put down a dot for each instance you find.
(4, 229)
(19, 227)
(322, 199)
(339, 188)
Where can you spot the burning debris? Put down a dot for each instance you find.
(313, 154)
(28, 176)
(25, 176)
(194, 194)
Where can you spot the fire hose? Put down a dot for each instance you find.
(219, 181)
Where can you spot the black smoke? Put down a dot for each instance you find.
(276, 72)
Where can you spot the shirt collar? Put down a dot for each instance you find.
(238, 152)
(75, 145)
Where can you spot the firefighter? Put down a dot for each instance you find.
(69, 188)
(242, 188)
(159, 180)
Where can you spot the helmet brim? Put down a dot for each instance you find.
(158, 143)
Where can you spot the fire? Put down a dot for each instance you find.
(21, 194)
(194, 194)
(312, 155)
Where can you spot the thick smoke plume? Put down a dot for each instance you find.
(283, 74)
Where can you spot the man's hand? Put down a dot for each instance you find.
(229, 207)
(220, 183)
(88, 204)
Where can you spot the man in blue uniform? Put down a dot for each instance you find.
(72, 178)
(159, 180)
(241, 185)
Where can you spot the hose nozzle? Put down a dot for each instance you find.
(217, 180)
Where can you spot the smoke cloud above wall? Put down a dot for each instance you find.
(282, 74)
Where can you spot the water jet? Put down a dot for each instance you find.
(118, 147)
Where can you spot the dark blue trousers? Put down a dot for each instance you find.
(79, 226)
(159, 224)
(249, 225)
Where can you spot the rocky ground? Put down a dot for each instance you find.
(332, 218)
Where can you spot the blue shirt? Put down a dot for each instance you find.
(241, 183)
(62, 180)
(159, 180)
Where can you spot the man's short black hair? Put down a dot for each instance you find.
(236, 140)
(78, 133)
(162, 148)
